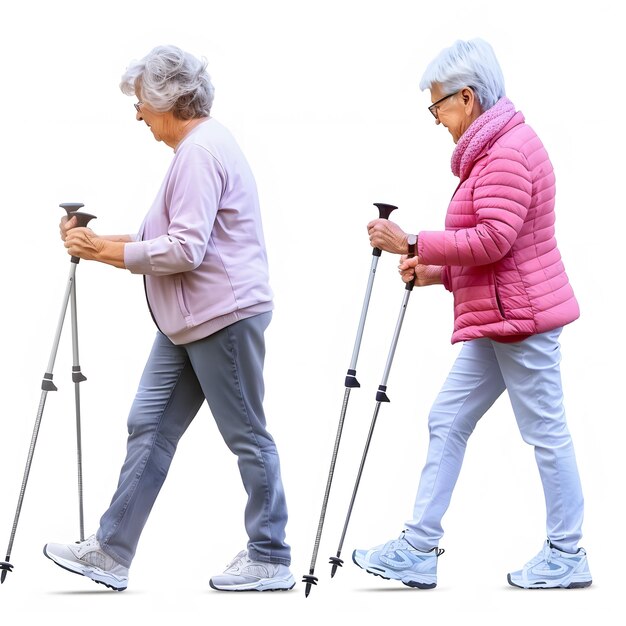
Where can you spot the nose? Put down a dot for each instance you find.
(138, 116)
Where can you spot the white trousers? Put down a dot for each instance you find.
(529, 371)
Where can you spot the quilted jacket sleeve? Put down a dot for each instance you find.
(485, 215)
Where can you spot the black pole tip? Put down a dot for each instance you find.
(336, 562)
(309, 580)
(6, 567)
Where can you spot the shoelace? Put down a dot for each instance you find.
(90, 542)
(394, 544)
(241, 557)
(544, 555)
(404, 545)
(547, 553)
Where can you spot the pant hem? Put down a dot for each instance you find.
(255, 556)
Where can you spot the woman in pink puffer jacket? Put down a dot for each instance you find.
(498, 256)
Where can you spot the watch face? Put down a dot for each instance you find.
(412, 240)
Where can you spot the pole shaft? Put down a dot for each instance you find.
(57, 335)
(78, 378)
(29, 461)
(46, 385)
(364, 309)
(381, 397)
(329, 481)
(396, 336)
(358, 478)
(350, 382)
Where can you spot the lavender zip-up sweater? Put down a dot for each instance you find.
(201, 245)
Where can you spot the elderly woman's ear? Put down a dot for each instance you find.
(469, 100)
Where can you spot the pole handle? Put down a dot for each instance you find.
(72, 211)
(70, 207)
(384, 211)
(82, 218)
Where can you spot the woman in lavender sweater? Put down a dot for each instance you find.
(512, 297)
(201, 251)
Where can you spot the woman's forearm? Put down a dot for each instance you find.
(112, 252)
(124, 238)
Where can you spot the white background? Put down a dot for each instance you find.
(323, 99)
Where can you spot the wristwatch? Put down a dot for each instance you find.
(412, 241)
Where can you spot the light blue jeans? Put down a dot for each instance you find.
(226, 369)
(529, 371)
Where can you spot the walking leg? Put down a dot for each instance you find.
(472, 386)
(166, 402)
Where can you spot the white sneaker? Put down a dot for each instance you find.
(553, 568)
(243, 574)
(399, 560)
(87, 558)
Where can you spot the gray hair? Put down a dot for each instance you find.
(470, 63)
(169, 79)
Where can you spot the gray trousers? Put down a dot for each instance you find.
(226, 369)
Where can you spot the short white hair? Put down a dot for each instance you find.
(470, 63)
(170, 79)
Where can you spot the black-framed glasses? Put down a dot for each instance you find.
(137, 106)
(433, 107)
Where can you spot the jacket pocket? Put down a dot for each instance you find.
(182, 304)
(498, 299)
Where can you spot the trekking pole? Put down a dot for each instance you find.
(48, 385)
(350, 383)
(77, 375)
(381, 396)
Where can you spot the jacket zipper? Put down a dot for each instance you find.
(145, 290)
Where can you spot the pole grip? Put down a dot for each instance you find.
(82, 218)
(384, 211)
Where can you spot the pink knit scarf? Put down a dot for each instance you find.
(478, 135)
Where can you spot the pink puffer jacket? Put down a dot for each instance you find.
(499, 252)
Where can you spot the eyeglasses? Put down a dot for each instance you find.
(137, 106)
(433, 107)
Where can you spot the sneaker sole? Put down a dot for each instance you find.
(261, 585)
(405, 580)
(575, 584)
(93, 573)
